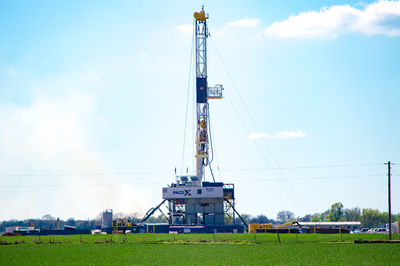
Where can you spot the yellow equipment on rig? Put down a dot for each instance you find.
(253, 227)
(200, 16)
(283, 226)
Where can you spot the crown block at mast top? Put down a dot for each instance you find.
(201, 33)
(200, 16)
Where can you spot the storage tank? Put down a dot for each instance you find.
(106, 219)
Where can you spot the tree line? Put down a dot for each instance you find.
(49, 222)
(368, 217)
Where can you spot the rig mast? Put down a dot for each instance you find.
(203, 93)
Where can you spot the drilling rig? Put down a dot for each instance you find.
(194, 204)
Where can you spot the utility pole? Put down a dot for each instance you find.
(389, 202)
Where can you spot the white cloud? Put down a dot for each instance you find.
(278, 135)
(377, 18)
(245, 23)
(185, 28)
(144, 55)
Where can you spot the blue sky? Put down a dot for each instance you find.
(93, 97)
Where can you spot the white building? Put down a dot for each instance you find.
(332, 225)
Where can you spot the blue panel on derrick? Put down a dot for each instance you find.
(201, 87)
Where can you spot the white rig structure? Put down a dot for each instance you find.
(191, 200)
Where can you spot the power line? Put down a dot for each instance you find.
(318, 177)
(397, 174)
(89, 174)
(255, 126)
(157, 183)
(76, 185)
(259, 149)
(144, 172)
(302, 167)
(187, 100)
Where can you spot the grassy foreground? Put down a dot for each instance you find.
(206, 249)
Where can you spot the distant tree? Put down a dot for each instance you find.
(162, 218)
(260, 219)
(320, 217)
(384, 217)
(71, 221)
(305, 218)
(82, 224)
(315, 218)
(48, 217)
(47, 221)
(352, 214)
(284, 216)
(370, 218)
(157, 219)
(325, 215)
(336, 212)
(246, 217)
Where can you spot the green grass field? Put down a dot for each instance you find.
(205, 249)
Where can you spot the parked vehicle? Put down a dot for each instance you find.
(364, 230)
(380, 231)
(356, 231)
